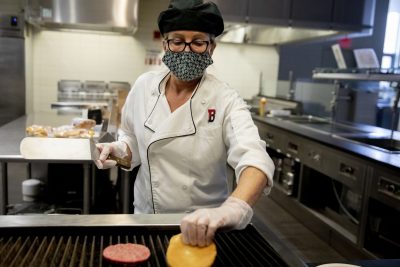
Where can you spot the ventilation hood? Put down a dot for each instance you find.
(264, 22)
(112, 16)
(261, 34)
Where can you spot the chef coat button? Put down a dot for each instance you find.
(184, 187)
(203, 101)
(156, 184)
(153, 93)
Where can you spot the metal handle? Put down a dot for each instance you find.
(120, 161)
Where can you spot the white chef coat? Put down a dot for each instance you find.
(183, 154)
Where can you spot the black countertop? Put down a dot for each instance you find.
(332, 139)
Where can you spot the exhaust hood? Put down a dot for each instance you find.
(273, 22)
(113, 16)
(262, 34)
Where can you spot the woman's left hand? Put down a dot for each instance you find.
(199, 227)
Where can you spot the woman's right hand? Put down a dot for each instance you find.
(117, 148)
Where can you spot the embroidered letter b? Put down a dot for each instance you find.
(211, 115)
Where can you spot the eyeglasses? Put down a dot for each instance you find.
(197, 46)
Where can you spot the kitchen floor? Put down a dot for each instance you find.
(304, 243)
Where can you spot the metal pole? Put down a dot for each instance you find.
(93, 196)
(125, 192)
(3, 189)
(86, 188)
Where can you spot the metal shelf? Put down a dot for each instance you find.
(389, 75)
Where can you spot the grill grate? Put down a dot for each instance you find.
(83, 246)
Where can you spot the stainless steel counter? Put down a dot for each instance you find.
(11, 135)
(332, 139)
(13, 132)
(89, 220)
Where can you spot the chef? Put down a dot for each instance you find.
(184, 126)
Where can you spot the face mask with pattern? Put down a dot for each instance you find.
(187, 65)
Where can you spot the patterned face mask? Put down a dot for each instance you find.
(187, 65)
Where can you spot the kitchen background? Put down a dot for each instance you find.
(272, 70)
(55, 55)
(283, 70)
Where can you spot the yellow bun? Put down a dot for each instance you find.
(179, 254)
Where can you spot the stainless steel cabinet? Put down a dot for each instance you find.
(347, 200)
(381, 235)
(329, 189)
(385, 186)
(335, 164)
(273, 138)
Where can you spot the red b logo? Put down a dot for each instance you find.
(211, 115)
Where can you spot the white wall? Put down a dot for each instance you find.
(57, 55)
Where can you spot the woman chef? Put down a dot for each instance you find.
(183, 126)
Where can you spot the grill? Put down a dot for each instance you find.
(83, 246)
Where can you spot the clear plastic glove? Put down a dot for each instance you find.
(199, 227)
(117, 148)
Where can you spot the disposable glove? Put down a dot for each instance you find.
(117, 148)
(198, 228)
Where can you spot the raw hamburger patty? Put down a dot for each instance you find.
(128, 253)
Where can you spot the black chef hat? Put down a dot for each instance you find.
(193, 15)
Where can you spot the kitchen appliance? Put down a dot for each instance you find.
(95, 15)
(75, 96)
(287, 171)
(12, 68)
(83, 246)
(289, 176)
(31, 189)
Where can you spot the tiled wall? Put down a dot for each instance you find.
(56, 55)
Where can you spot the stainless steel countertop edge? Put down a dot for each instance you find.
(51, 220)
(378, 156)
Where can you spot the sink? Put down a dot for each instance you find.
(323, 125)
(387, 144)
(304, 119)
